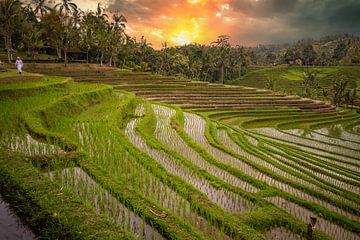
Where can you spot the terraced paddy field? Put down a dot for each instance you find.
(96, 153)
(289, 78)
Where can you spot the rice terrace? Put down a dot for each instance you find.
(106, 136)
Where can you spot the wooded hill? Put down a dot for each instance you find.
(343, 49)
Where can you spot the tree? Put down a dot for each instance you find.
(115, 36)
(66, 7)
(87, 33)
(289, 56)
(76, 17)
(270, 82)
(338, 92)
(352, 55)
(99, 13)
(179, 63)
(41, 7)
(350, 97)
(32, 39)
(340, 51)
(128, 52)
(310, 84)
(53, 27)
(9, 12)
(222, 46)
(238, 61)
(101, 42)
(114, 44)
(271, 58)
(119, 21)
(309, 55)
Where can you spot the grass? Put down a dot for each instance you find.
(52, 123)
(288, 79)
(14, 73)
(52, 212)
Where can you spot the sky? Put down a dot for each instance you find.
(247, 22)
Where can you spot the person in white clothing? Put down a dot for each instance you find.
(19, 64)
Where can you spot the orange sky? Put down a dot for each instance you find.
(176, 22)
(184, 22)
(247, 22)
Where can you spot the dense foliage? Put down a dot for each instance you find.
(64, 32)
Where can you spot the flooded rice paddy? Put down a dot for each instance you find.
(304, 215)
(84, 186)
(11, 227)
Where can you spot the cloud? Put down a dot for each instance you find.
(248, 22)
(303, 18)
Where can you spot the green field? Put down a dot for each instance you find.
(289, 79)
(89, 152)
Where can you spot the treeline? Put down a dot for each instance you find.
(342, 49)
(64, 28)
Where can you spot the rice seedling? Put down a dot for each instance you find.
(225, 199)
(337, 150)
(281, 233)
(167, 135)
(195, 127)
(227, 141)
(160, 173)
(304, 215)
(339, 182)
(323, 138)
(81, 183)
(99, 140)
(310, 150)
(337, 131)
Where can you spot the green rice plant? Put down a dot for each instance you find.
(337, 203)
(52, 212)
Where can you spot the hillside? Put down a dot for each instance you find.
(110, 154)
(289, 79)
(343, 49)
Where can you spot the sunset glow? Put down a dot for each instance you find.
(247, 22)
(183, 37)
(179, 22)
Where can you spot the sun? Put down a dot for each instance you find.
(202, 2)
(182, 37)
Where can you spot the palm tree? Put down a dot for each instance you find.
(40, 7)
(100, 12)
(119, 21)
(9, 11)
(101, 42)
(88, 33)
(76, 17)
(32, 40)
(222, 49)
(66, 7)
(115, 41)
(142, 48)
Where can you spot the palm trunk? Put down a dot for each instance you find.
(87, 56)
(123, 63)
(101, 58)
(8, 44)
(58, 51)
(240, 67)
(65, 56)
(222, 73)
(7, 47)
